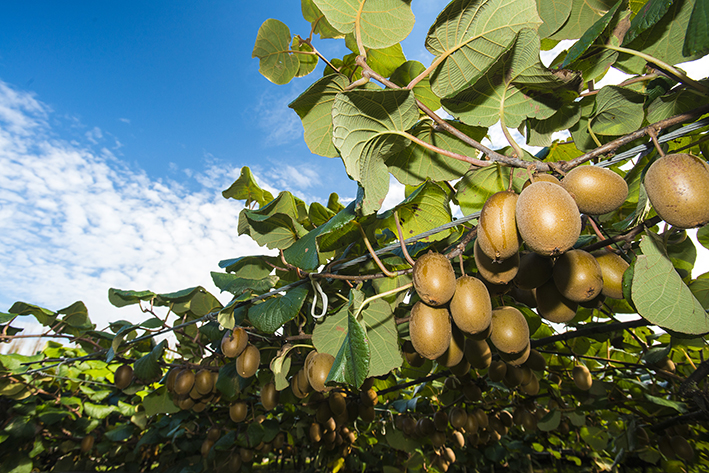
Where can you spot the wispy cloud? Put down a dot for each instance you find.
(124, 120)
(75, 221)
(280, 123)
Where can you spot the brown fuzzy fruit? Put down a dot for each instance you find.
(184, 382)
(269, 396)
(613, 267)
(238, 411)
(682, 448)
(248, 362)
(454, 354)
(123, 376)
(547, 218)
(434, 278)
(203, 382)
(497, 229)
(534, 270)
(554, 307)
(578, 276)
(494, 272)
(235, 342)
(470, 306)
(678, 188)
(582, 377)
(317, 370)
(478, 353)
(541, 177)
(596, 190)
(430, 330)
(87, 443)
(510, 331)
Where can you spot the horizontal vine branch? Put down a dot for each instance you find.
(589, 331)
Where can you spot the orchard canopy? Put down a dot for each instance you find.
(551, 321)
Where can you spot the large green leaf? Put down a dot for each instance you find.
(407, 72)
(618, 111)
(383, 338)
(236, 285)
(44, 316)
(696, 42)
(329, 334)
(426, 208)
(251, 267)
(382, 61)
(307, 59)
(583, 13)
(415, 164)
(246, 188)
(648, 15)
(479, 184)
(269, 315)
(77, 316)
(674, 103)
(318, 21)
(339, 231)
(554, 14)
(661, 296)
(121, 298)
(351, 363)
(147, 368)
(368, 127)
(664, 40)
(381, 23)
(159, 402)
(539, 132)
(274, 225)
(517, 87)
(596, 437)
(589, 36)
(272, 47)
(469, 35)
(314, 107)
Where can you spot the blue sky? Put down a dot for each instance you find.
(120, 125)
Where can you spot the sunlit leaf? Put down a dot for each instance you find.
(648, 15)
(583, 14)
(696, 42)
(319, 23)
(589, 36)
(269, 315)
(383, 338)
(274, 225)
(43, 316)
(246, 188)
(479, 184)
(351, 363)
(147, 368)
(272, 47)
(554, 14)
(407, 72)
(618, 111)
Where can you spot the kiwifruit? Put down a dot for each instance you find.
(529, 421)
(269, 396)
(596, 190)
(302, 379)
(513, 376)
(454, 354)
(547, 218)
(238, 411)
(524, 296)
(458, 439)
(295, 389)
(430, 329)
(497, 371)
(411, 355)
(535, 361)
(552, 306)
(203, 382)
(317, 370)
(369, 397)
(470, 306)
(315, 432)
(425, 427)
(440, 420)
(472, 392)
(184, 382)
(234, 464)
(506, 418)
(235, 342)
(452, 383)
(186, 403)
(582, 377)
(366, 413)
(678, 188)
(532, 387)
(516, 359)
(495, 272)
(478, 353)
(541, 177)
(458, 417)
(123, 376)
(664, 444)
(471, 423)
(448, 454)
(578, 276)
(438, 439)
(510, 331)
(170, 382)
(246, 454)
(337, 403)
(206, 447)
(214, 433)
(434, 278)
(682, 448)
(497, 229)
(613, 267)
(666, 364)
(462, 368)
(87, 443)
(248, 362)
(534, 270)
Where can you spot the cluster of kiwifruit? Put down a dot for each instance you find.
(192, 389)
(235, 344)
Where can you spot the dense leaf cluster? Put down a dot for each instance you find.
(341, 283)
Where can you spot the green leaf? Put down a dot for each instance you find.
(589, 37)
(329, 334)
(660, 295)
(314, 107)
(319, 23)
(246, 188)
(340, 231)
(120, 298)
(274, 225)
(700, 289)
(674, 103)
(269, 315)
(678, 406)
(696, 42)
(120, 432)
(648, 15)
(664, 40)
(596, 437)
(77, 316)
(280, 365)
(304, 253)
(229, 383)
(319, 214)
(583, 13)
(382, 61)
(99, 411)
(426, 208)
(351, 363)
(477, 185)
(554, 14)
(407, 72)
(550, 421)
(414, 164)
(515, 88)
(618, 111)
(251, 267)
(469, 35)
(44, 316)
(159, 402)
(383, 338)
(147, 368)
(308, 61)
(236, 285)
(539, 132)
(381, 23)
(17, 463)
(272, 47)
(368, 127)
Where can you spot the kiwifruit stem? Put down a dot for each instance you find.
(373, 254)
(401, 239)
(382, 294)
(653, 135)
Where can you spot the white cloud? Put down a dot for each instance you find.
(94, 135)
(124, 120)
(75, 222)
(272, 114)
